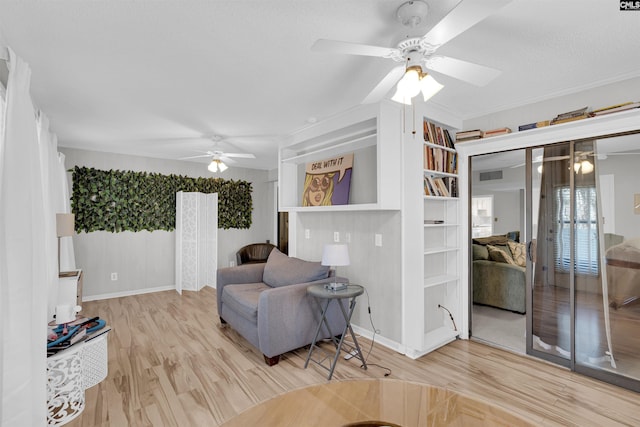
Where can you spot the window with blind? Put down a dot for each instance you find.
(586, 231)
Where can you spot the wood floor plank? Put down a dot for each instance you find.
(171, 363)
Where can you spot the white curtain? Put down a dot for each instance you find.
(27, 238)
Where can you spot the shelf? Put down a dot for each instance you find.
(370, 132)
(439, 173)
(440, 225)
(439, 280)
(350, 143)
(441, 198)
(439, 250)
(336, 208)
(428, 144)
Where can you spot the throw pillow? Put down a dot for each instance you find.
(491, 240)
(518, 252)
(282, 270)
(499, 255)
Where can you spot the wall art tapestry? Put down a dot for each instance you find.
(327, 182)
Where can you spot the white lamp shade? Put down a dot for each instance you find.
(65, 224)
(216, 165)
(429, 87)
(335, 255)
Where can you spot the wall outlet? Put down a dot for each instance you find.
(347, 237)
(232, 263)
(378, 239)
(307, 233)
(336, 236)
(114, 276)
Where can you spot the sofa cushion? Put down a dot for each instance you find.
(243, 299)
(499, 255)
(480, 252)
(518, 253)
(491, 240)
(282, 270)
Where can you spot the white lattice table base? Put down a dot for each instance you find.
(70, 373)
(65, 389)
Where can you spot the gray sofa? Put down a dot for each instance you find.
(498, 284)
(267, 303)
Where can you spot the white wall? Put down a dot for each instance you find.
(376, 268)
(146, 260)
(598, 97)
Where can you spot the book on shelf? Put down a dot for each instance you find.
(436, 135)
(496, 132)
(434, 221)
(440, 186)
(468, 135)
(574, 113)
(557, 121)
(615, 108)
(534, 125)
(440, 160)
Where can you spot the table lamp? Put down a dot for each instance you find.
(334, 256)
(65, 224)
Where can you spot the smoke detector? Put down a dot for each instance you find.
(412, 13)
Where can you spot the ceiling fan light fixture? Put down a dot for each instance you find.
(429, 86)
(412, 83)
(216, 165)
(400, 98)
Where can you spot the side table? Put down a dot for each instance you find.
(70, 372)
(326, 296)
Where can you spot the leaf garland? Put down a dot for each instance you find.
(118, 201)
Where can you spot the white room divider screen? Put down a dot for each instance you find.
(196, 240)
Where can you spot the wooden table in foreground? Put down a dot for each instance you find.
(376, 402)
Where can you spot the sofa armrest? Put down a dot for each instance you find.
(246, 273)
(288, 317)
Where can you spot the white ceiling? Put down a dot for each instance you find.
(153, 77)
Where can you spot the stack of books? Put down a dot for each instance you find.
(534, 125)
(570, 116)
(615, 108)
(495, 132)
(468, 135)
(436, 135)
(440, 186)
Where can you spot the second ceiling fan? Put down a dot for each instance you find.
(417, 53)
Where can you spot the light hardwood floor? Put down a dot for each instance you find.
(172, 364)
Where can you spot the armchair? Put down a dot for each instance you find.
(267, 303)
(255, 252)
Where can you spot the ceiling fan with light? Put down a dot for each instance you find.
(417, 53)
(219, 159)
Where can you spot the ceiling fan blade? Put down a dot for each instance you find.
(464, 16)
(469, 72)
(385, 85)
(228, 160)
(194, 157)
(334, 46)
(240, 155)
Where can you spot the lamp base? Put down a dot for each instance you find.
(335, 286)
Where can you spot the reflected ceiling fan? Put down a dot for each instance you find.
(417, 53)
(219, 159)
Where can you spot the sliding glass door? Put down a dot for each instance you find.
(575, 209)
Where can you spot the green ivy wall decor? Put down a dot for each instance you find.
(118, 201)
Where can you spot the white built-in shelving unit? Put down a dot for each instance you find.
(372, 132)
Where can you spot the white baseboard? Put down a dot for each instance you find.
(395, 346)
(127, 293)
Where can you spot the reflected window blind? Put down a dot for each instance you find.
(586, 238)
